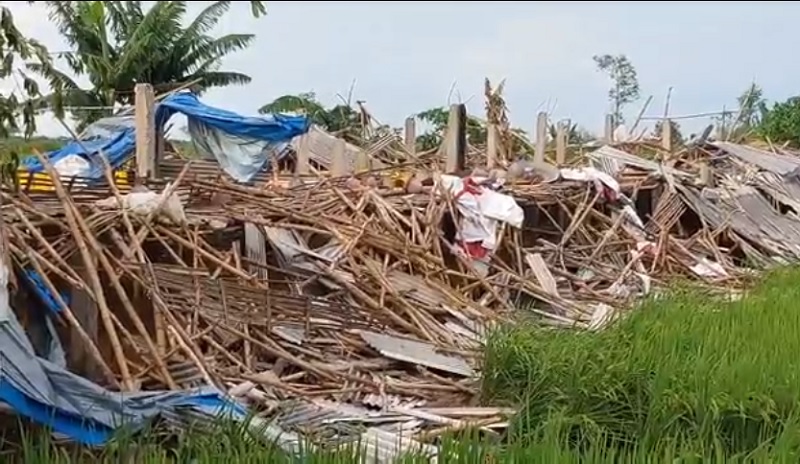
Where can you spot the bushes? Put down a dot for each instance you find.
(690, 373)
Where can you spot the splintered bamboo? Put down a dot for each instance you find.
(88, 261)
(357, 289)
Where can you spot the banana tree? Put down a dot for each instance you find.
(119, 44)
(341, 120)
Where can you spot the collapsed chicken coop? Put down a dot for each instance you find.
(357, 290)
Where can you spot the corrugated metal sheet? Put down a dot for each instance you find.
(747, 212)
(782, 229)
(337, 424)
(256, 249)
(416, 289)
(786, 191)
(320, 143)
(768, 161)
(386, 447)
(321, 413)
(296, 254)
(202, 169)
(415, 352)
(612, 161)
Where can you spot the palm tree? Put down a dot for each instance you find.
(118, 44)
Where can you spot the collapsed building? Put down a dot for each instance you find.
(225, 286)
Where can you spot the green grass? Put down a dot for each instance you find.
(690, 373)
(689, 378)
(25, 146)
(233, 445)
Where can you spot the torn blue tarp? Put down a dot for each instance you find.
(240, 144)
(117, 148)
(42, 292)
(70, 405)
(269, 128)
(49, 346)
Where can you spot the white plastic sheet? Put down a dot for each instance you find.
(72, 166)
(482, 210)
(144, 203)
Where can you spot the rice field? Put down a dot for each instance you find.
(690, 374)
(688, 378)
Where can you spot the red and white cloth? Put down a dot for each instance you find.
(482, 209)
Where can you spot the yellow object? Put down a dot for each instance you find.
(40, 181)
(400, 178)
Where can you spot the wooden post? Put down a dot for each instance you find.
(339, 165)
(145, 131)
(541, 138)
(561, 143)
(301, 167)
(609, 129)
(410, 135)
(491, 145)
(456, 141)
(666, 134)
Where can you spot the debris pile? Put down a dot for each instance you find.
(365, 303)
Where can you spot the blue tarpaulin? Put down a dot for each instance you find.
(42, 292)
(241, 144)
(45, 392)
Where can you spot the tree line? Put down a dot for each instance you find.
(117, 44)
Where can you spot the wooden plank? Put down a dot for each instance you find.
(145, 125)
(542, 273)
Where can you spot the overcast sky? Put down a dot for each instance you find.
(405, 57)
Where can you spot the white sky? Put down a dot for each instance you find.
(405, 57)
